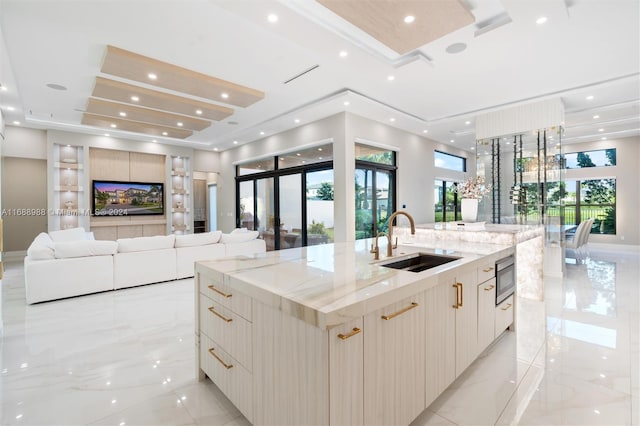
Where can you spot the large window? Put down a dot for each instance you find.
(288, 198)
(447, 204)
(599, 158)
(592, 198)
(449, 161)
(374, 190)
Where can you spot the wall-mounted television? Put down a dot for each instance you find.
(119, 198)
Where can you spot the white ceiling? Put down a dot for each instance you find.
(586, 47)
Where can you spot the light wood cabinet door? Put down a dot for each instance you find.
(466, 302)
(346, 374)
(394, 363)
(440, 341)
(486, 313)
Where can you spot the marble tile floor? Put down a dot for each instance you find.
(127, 357)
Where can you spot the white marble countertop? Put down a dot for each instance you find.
(473, 232)
(327, 285)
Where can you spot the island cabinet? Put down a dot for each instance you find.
(451, 330)
(394, 363)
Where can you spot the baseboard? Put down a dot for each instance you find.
(613, 247)
(14, 256)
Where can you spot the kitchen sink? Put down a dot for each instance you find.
(420, 262)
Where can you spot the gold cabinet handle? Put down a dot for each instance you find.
(215, 355)
(400, 312)
(220, 292)
(506, 308)
(461, 294)
(353, 332)
(457, 305)
(491, 287)
(488, 269)
(219, 315)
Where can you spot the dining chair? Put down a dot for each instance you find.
(575, 242)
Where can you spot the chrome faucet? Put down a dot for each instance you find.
(390, 228)
(376, 250)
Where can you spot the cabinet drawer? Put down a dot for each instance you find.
(232, 379)
(228, 329)
(486, 272)
(222, 293)
(504, 315)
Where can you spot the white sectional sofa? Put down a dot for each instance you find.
(71, 263)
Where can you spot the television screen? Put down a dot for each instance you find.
(118, 198)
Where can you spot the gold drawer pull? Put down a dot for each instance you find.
(401, 311)
(459, 300)
(506, 308)
(353, 332)
(219, 315)
(220, 292)
(227, 366)
(488, 269)
(491, 287)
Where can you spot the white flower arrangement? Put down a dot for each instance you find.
(473, 187)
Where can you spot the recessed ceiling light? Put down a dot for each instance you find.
(199, 111)
(155, 141)
(68, 146)
(473, 147)
(235, 142)
(425, 131)
(596, 117)
(152, 76)
(179, 123)
(303, 161)
(467, 122)
(452, 140)
(541, 20)
(319, 158)
(391, 78)
(409, 19)
(298, 154)
(343, 53)
(113, 126)
(319, 149)
(604, 138)
(165, 133)
(273, 18)
(261, 133)
(225, 95)
(346, 103)
(17, 123)
(135, 98)
(215, 149)
(106, 134)
(392, 119)
(508, 143)
(55, 86)
(123, 114)
(297, 120)
(3, 88)
(601, 130)
(590, 97)
(10, 108)
(456, 48)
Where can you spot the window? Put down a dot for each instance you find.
(375, 195)
(288, 198)
(449, 161)
(447, 205)
(599, 158)
(592, 198)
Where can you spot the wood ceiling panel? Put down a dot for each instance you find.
(384, 20)
(146, 115)
(122, 92)
(136, 67)
(134, 126)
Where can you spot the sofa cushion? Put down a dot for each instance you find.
(41, 248)
(239, 237)
(85, 248)
(239, 231)
(191, 240)
(74, 234)
(126, 245)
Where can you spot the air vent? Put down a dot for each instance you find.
(301, 74)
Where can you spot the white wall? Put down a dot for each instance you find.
(21, 142)
(206, 161)
(627, 185)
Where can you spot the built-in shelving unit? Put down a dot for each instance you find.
(180, 195)
(68, 192)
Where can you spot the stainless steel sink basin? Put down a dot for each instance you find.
(420, 262)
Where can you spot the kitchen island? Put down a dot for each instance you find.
(326, 335)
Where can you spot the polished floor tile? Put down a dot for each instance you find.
(127, 357)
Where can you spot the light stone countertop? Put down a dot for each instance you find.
(330, 284)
